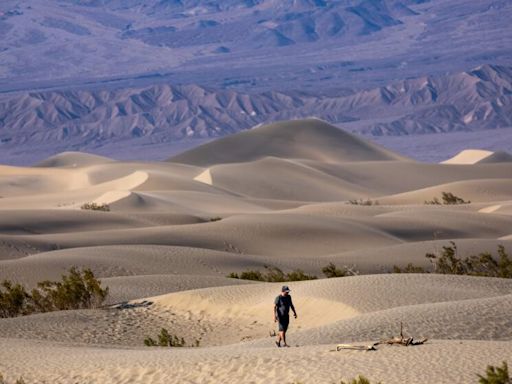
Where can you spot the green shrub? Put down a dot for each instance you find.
(77, 290)
(449, 263)
(165, 339)
(233, 275)
(18, 381)
(96, 207)
(149, 342)
(483, 264)
(299, 275)
(330, 270)
(272, 275)
(252, 275)
(14, 300)
(448, 199)
(496, 375)
(410, 268)
(358, 380)
(367, 202)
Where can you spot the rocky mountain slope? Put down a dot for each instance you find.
(83, 119)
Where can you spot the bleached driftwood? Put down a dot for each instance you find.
(398, 340)
(405, 341)
(371, 347)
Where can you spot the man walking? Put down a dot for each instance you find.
(282, 305)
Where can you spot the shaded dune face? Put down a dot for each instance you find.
(310, 139)
(291, 195)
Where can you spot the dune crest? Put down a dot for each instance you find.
(469, 156)
(205, 177)
(311, 139)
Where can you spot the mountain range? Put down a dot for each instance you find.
(95, 75)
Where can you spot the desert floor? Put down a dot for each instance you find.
(277, 195)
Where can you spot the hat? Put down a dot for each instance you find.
(285, 289)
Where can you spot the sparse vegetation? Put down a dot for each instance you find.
(483, 264)
(216, 218)
(367, 202)
(358, 380)
(77, 290)
(96, 207)
(165, 339)
(410, 268)
(330, 271)
(273, 275)
(448, 198)
(18, 381)
(496, 375)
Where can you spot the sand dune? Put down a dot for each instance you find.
(292, 195)
(469, 156)
(456, 361)
(474, 190)
(301, 139)
(479, 156)
(72, 160)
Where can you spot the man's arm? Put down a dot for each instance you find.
(275, 313)
(293, 308)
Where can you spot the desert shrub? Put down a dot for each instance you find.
(410, 268)
(496, 375)
(273, 275)
(367, 202)
(150, 342)
(165, 339)
(217, 218)
(330, 270)
(449, 263)
(483, 264)
(233, 275)
(299, 275)
(448, 198)
(18, 381)
(252, 275)
(77, 290)
(14, 300)
(358, 380)
(96, 207)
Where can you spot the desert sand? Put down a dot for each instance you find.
(275, 195)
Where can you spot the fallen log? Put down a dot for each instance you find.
(397, 340)
(355, 347)
(401, 340)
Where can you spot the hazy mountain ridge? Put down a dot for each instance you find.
(476, 100)
(247, 44)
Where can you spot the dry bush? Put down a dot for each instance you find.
(358, 380)
(165, 339)
(367, 202)
(77, 290)
(330, 271)
(273, 275)
(496, 375)
(96, 207)
(448, 198)
(449, 263)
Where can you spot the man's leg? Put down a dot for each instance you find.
(279, 338)
(284, 338)
(285, 323)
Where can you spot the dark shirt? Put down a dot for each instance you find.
(283, 305)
